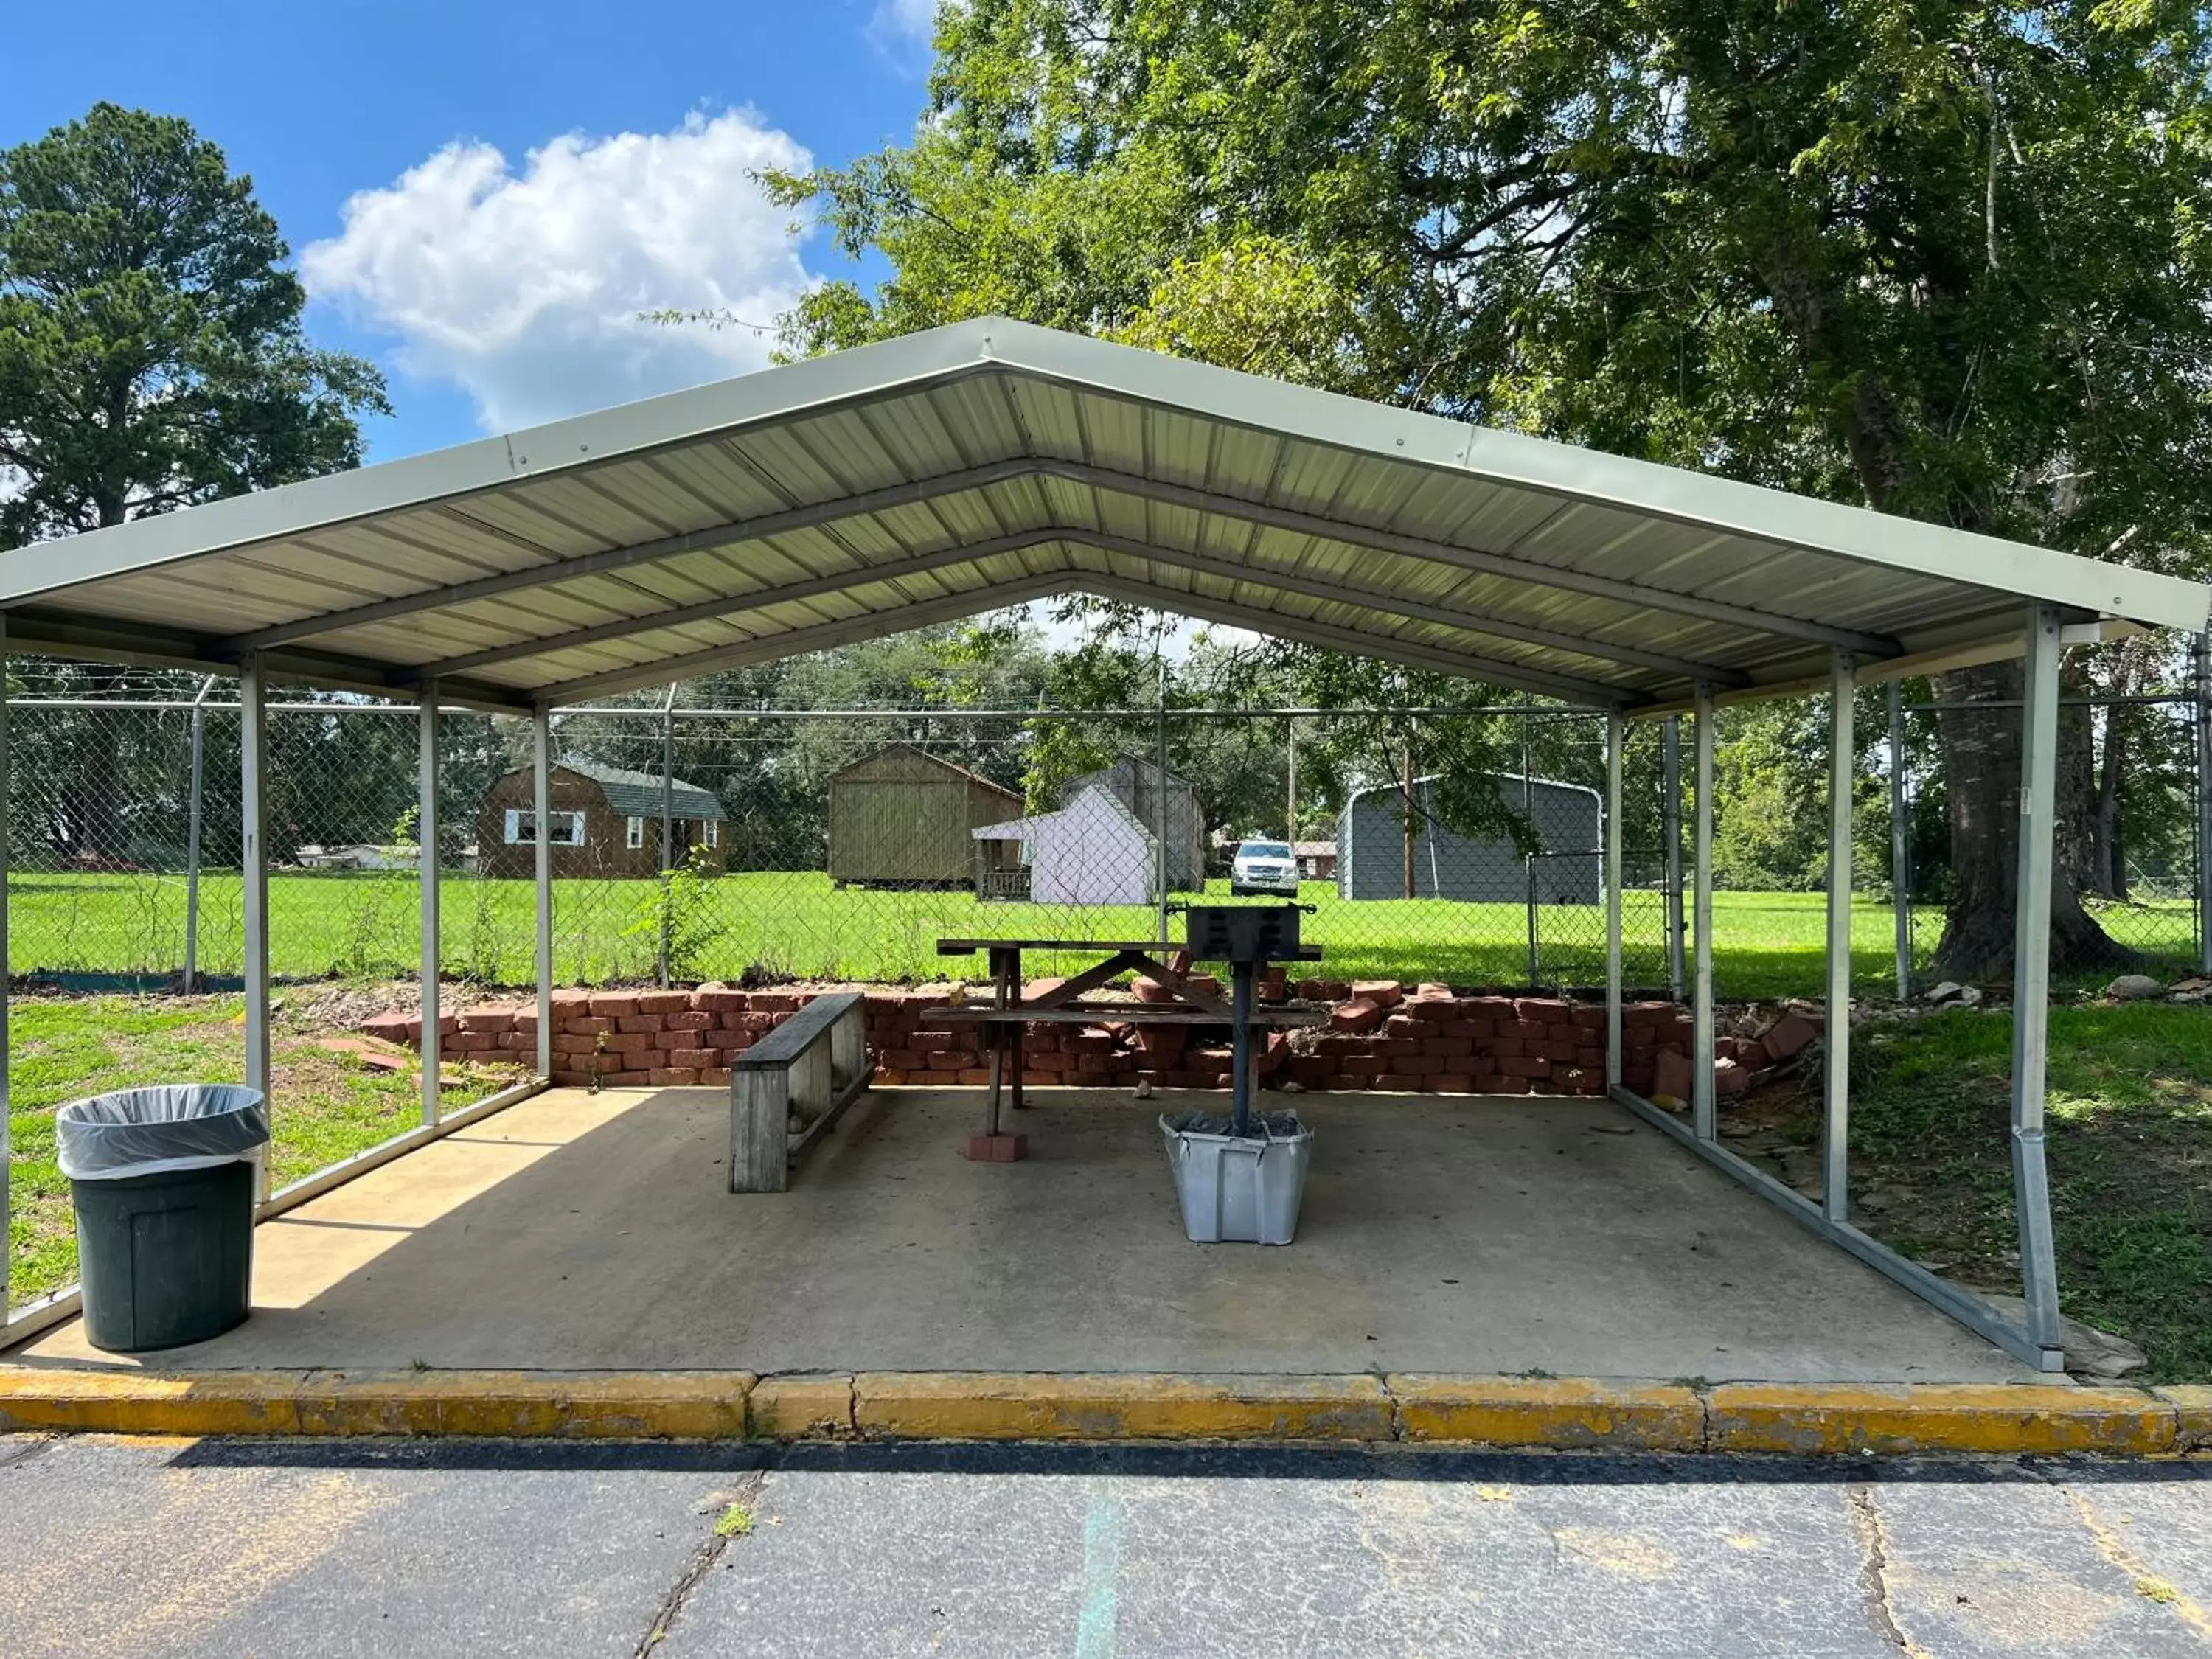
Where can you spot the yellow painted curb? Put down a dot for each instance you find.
(800, 1408)
(673, 1405)
(1117, 1405)
(139, 1402)
(1936, 1417)
(1414, 1408)
(1557, 1412)
(528, 1405)
(2193, 1405)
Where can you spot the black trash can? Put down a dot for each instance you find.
(162, 1180)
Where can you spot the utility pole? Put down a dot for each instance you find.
(1291, 807)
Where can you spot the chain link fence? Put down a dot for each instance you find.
(698, 843)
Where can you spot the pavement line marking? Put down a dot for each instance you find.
(1098, 1632)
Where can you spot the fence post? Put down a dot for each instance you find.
(668, 823)
(253, 860)
(1836, 1121)
(192, 839)
(1671, 828)
(425, 833)
(1900, 843)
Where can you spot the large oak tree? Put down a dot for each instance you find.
(1949, 261)
(151, 354)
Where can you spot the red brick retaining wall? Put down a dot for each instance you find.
(1379, 1036)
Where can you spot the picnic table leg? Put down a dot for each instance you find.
(1019, 1062)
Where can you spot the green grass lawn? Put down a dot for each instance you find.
(328, 1106)
(793, 924)
(2129, 1149)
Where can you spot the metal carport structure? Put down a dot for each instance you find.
(991, 462)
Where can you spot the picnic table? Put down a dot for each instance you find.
(1011, 1009)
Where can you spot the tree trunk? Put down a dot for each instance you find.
(1981, 767)
(2079, 850)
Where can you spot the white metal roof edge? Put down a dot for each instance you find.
(1674, 492)
(782, 392)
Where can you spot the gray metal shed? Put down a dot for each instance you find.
(1569, 820)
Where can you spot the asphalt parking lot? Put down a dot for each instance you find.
(267, 1547)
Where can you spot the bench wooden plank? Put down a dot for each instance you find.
(795, 1035)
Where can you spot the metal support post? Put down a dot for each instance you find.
(1160, 807)
(1241, 976)
(2202, 654)
(1704, 1116)
(253, 860)
(6, 796)
(541, 804)
(1529, 864)
(192, 816)
(668, 823)
(2030, 973)
(1900, 843)
(425, 833)
(1614, 732)
(1670, 812)
(1836, 1111)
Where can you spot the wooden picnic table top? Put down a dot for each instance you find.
(967, 947)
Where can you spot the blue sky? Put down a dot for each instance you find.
(494, 287)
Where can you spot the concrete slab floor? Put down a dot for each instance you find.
(582, 1232)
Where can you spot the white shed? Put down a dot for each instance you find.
(1091, 851)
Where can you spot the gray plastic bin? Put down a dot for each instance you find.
(162, 1182)
(1238, 1190)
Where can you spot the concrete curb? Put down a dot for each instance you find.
(1361, 1409)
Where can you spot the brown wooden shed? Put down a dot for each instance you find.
(902, 818)
(606, 822)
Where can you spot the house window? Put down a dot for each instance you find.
(634, 836)
(563, 830)
(710, 832)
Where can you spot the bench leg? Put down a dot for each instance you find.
(760, 1117)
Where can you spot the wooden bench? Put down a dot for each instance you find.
(789, 1088)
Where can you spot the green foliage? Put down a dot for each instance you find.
(681, 910)
(151, 355)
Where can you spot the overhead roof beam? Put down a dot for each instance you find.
(1357, 642)
(731, 604)
(815, 587)
(822, 636)
(1416, 609)
(810, 516)
(1467, 558)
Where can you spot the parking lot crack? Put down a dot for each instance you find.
(741, 1502)
(1874, 1569)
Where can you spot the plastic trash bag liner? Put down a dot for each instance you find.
(156, 1130)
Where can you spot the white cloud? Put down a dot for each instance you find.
(524, 286)
(901, 27)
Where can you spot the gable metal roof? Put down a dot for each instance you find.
(925, 478)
